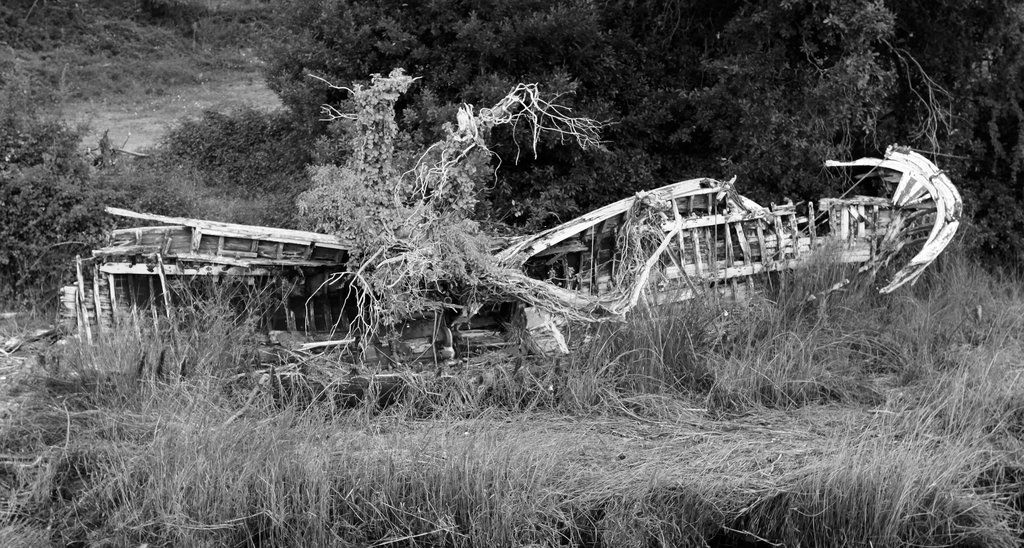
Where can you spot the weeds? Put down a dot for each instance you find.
(658, 432)
(111, 49)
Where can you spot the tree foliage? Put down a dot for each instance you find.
(49, 210)
(763, 90)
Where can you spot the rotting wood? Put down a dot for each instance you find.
(80, 301)
(113, 295)
(168, 309)
(237, 230)
(96, 303)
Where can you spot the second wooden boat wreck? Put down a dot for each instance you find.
(669, 244)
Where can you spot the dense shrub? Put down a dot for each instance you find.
(49, 207)
(763, 90)
(247, 150)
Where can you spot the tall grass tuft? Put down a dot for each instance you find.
(828, 441)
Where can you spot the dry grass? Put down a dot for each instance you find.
(660, 433)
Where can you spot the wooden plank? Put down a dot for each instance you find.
(677, 262)
(167, 241)
(713, 220)
(858, 253)
(239, 254)
(177, 270)
(681, 234)
(81, 299)
(253, 262)
(795, 231)
(765, 256)
(96, 302)
(741, 234)
(152, 302)
(238, 230)
(113, 295)
(613, 247)
(833, 219)
(780, 250)
(844, 223)
(327, 344)
(875, 229)
(126, 250)
(163, 285)
(572, 246)
(586, 262)
(197, 238)
(729, 259)
(594, 252)
(827, 203)
(698, 259)
(525, 248)
(812, 222)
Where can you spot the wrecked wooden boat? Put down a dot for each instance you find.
(666, 245)
(678, 241)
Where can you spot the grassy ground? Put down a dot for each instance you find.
(862, 421)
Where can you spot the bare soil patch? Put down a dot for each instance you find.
(139, 122)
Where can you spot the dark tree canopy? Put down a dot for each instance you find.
(763, 90)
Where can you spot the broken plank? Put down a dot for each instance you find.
(239, 231)
(327, 344)
(698, 259)
(528, 247)
(178, 270)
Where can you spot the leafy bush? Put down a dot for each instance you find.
(49, 207)
(763, 90)
(247, 150)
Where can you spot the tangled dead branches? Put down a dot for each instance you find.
(420, 251)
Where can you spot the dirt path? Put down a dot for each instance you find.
(139, 122)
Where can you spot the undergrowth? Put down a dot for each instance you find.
(856, 420)
(79, 50)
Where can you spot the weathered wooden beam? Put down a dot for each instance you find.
(240, 231)
(113, 295)
(697, 257)
(178, 270)
(126, 250)
(530, 246)
(96, 301)
(168, 309)
(81, 299)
